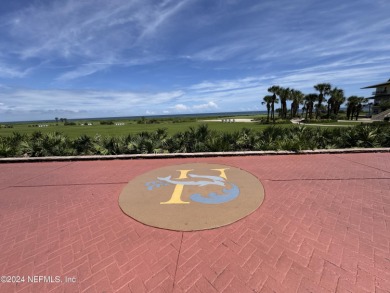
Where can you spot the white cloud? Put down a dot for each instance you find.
(98, 33)
(207, 106)
(180, 107)
(161, 14)
(219, 53)
(12, 72)
(83, 70)
(190, 107)
(23, 102)
(227, 85)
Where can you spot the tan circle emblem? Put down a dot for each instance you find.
(191, 197)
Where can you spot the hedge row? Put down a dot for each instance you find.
(200, 139)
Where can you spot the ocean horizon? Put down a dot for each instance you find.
(221, 114)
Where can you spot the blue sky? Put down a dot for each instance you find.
(99, 58)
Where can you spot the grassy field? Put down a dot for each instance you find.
(74, 131)
(352, 123)
(173, 125)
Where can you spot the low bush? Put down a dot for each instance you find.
(70, 123)
(197, 139)
(106, 122)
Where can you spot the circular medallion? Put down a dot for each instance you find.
(191, 197)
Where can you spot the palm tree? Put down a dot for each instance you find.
(309, 101)
(354, 106)
(304, 109)
(274, 90)
(330, 105)
(284, 94)
(324, 89)
(297, 97)
(359, 106)
(268, 101)
(275, 100)
(336, 100)
(350, 105)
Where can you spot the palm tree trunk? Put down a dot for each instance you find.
(268, 110)
(284, 110)
(292, 109)
(273, 111)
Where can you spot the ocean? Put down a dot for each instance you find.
(219, 114)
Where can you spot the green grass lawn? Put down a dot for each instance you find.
(351, 123)
(131, 126)
(128, 128)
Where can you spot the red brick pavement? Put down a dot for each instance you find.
(324, 226)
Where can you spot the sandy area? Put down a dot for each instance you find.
(235, 120)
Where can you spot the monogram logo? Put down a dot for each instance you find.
(203, 181)
(191, 197)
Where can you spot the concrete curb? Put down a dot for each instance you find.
(192, 155)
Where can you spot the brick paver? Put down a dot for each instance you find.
(324, 226)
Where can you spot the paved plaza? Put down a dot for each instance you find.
(324, 226)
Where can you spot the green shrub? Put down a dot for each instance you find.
(70, 123)
(197, 139)
(106, 122)
(6, 126)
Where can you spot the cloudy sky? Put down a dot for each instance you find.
(99, 58)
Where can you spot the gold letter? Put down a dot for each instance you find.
(176, 195)
(183, 174)
(221, 172)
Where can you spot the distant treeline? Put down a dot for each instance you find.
(199, 139)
